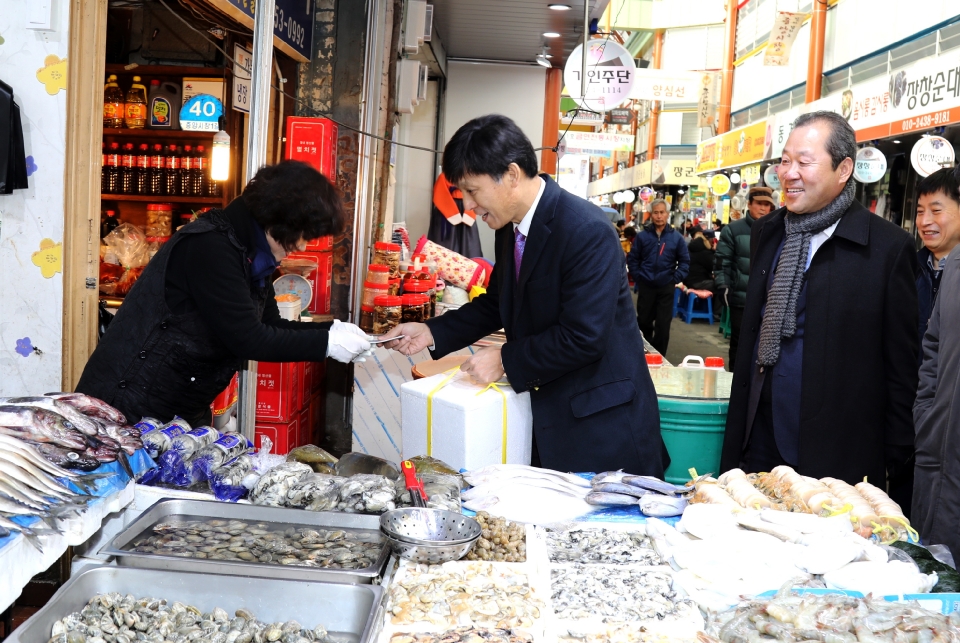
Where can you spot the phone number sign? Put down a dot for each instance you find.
(292, 23)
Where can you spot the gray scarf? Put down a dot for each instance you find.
(780, 318)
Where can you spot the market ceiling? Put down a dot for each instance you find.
(510, 30)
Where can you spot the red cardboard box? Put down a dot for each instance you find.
(317, 419)
(319, 377)
(278, 391)
(284, 435)
(306, 427)
(313, 140)
(306, 382)
(320, 280)
(322, 244)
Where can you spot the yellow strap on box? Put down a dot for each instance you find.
(493, 385)
(444, 382)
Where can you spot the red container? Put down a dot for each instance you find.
(320, 280)
(278, 391)
(322, 244)
(314, 141)
(227, 398)
(284, 435)
(317, 419)
(319, 377)
(306, 428)
(306, 382)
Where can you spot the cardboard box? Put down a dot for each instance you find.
(194, 86)
(467, 424)
(305, 435)
(319, 377)
(284, 435)
(278, 391)
(323, 244)
(376, 400)
(306, 382)
(320, 280)
(317, 418)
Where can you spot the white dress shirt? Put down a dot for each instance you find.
(524, 225)
(818, 240)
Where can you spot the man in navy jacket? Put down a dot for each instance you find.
(559, 290)
(658, 261)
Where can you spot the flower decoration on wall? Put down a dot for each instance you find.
(53, 74)
(24, 347)
(31, 166)
(49, 258)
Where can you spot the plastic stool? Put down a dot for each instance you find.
(725, 322)
(677, 293)
(692, 311)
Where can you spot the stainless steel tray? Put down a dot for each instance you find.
(163, 509)
(349, 612)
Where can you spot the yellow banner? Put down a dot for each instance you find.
(733, 149)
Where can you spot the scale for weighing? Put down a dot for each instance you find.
(294, 284)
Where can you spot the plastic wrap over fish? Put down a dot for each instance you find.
(367, 493)
(273, 486)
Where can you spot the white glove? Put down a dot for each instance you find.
(356, 330)
(345, 345)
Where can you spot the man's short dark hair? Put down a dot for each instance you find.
(946, 180)
(629, 232)
(292, 200)
(842, 142)
(488, 145)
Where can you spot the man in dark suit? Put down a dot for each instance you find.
(826, 371)
(559, 290)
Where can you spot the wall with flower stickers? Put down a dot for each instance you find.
(34, 64)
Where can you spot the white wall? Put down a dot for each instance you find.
(475, 89)
(753, 82)
(31, 306)
(416, 169)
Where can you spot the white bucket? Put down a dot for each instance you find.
(289, 309)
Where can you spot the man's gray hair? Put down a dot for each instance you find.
(657, 202)
(842, 142)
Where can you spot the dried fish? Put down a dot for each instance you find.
(598, 545)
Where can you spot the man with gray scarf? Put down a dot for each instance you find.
(829, 342)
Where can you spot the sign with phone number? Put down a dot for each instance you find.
(292, 23)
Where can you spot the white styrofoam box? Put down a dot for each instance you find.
(467, 425)
(376, 400)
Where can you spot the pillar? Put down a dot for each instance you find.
(818, 30)
(551, 119)
(726, 79)
(654, 123)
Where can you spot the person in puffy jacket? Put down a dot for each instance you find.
(702, 260)
(657, 262)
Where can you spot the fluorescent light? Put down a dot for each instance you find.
(896, 141)
(220, 159)
(551, 34)
(559, 7)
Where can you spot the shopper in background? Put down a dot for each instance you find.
(938, 222)
(701, 252)
(657, 262)
(205, 303)
(559, 290)
(733, 262)
(629, 234)
(826, 375)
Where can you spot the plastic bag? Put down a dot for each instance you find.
(367, 493)
(443, 491)
(227, 481)
(263, 460)
(316, 492)
(272, 487)
(215, 455)
(129, 244)
(943, 554)
(312, 455)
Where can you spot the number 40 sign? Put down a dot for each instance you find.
(201, 114)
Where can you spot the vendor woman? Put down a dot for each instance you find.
(205, 303)
(559, 290)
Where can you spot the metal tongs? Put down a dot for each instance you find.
(418, 496)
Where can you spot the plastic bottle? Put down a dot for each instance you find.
(198, 172)
(157, 442)
(155, 173)
(135, 111)
(112, 166)
(163, 105)
(104, 171)
(171, 171)
(142, 170)
(128, 167)
(186, 170)
(212, 456)
(190, 443)
(711, 365)
(110, 223)
(113, 103)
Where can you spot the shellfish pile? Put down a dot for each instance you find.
(607, 546)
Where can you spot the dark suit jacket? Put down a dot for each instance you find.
(860, 347)
(572, 339)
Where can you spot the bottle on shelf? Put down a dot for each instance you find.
(113, 104)
(128, 167)
(155, 173)
(163, 105)
(104, 171)
(111, 185)
(171, 171)
(142, 169)
(110, 223)
(186, 170)
(198, 173)
(135, 114)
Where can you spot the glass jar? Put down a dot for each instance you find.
(387, 313)
(159, 220)
(387, 254)
(366, 319)
(378, 274)
(393, 288)
(414, 308)
(371, 291)
(420, 287)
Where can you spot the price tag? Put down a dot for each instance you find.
(201, 114)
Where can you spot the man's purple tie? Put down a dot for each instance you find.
(518, 244)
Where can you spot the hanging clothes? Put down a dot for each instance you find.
(451, 226)
(13, 161)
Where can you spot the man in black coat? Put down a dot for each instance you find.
(559, 290)
(826, 371)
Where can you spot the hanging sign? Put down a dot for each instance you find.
(771, 178)
(870, 165)
(666, 85)
(620, 116)
(588, 141)
(243, 59)
(292, 23)
(720, 184)
(201, 114)
(750, 174)
(707, 100)
(784, 32)
(646, 194)
(930, 154)
(610, 75)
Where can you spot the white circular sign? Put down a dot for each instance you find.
(771, 178)
(618, 197)
(610, 75)
(870, 165)
(930, 154)
(629, 196)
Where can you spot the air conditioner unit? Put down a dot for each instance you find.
(408, 85)
(428, 24)
(413, 25)
(422, 86)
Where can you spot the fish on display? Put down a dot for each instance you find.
(608, 476)
(602, 499)
(502, 471)
(655, 484)
(40, 425)
(90, 406)
(80, 421)
(30, 533)
(661, 506)
(67, 458)
(620, 488)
